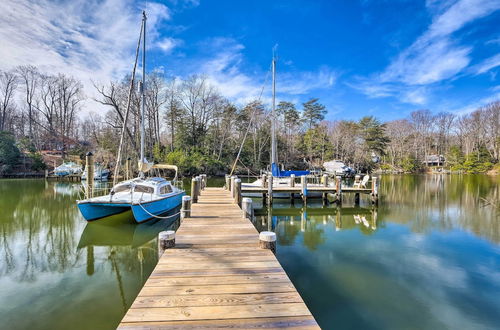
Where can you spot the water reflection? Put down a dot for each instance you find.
(57, 271)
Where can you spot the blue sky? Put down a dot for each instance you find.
(360, 57)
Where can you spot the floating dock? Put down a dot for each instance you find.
(218, 277)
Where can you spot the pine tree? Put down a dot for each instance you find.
(313, 112)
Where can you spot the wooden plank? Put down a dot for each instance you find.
(217, 272)
(215, 312)
(293, 322)
(216, 289)
(207, 280)
(217, 265)
(217, 300)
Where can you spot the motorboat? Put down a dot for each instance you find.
(68, 168)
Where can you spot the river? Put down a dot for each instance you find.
(427, 257)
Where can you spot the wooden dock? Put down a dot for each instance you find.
(218, 277)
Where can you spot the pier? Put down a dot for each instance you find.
(217, 275)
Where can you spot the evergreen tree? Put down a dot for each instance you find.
(373, 134)
(313, 112)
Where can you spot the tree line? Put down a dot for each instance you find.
(188, 122)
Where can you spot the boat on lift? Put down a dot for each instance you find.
(101, 173)
(68, 168)
(146, 197)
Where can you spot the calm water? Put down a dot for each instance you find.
(427, 257)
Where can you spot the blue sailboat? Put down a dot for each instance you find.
(145, 197)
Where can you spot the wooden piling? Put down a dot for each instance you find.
(237, 191)
(374, 194)
(166, 240)
(325, 184)
(356, 199)
(267, 240)
(186, 207)
(232, 184)
(127, 169)
(292, 180)
(194, 190)
(228, 182)
(247, 207)
(303, 184)
(270, 190)
(339, 190)
(89, 165)
(264, 181)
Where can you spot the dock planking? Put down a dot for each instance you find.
(218, 277)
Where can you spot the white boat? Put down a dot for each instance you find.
(100, 173)
(338, 168)
(68, 168)
(146, 197)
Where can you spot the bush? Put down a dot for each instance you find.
(9, 153)
(410, 164)
(37, 163)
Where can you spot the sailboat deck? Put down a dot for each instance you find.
(218, 277)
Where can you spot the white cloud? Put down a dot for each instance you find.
(225, 71)
(435, 56)
(168, 44)
(487, 64)
(91, 40)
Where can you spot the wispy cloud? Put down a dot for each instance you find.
(168, 44)
(91, 40)
(487, 64)
(226, 71)
(435, 56)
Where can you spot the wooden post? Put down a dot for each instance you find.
(90, 260)
(356, 199)
(232, 185)
(194, 192)
(270, 190)
(186, 207)
(339, 190)
(303, 183)
(292, 180)
(228, 182)
(127, 169)
(237, 191)
(166, 240)
(267, 240)
(374, 193)
(247, 207)
(264, 181)
(89, 163)
(325, 184)
(203, 181)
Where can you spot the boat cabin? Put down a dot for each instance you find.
(156, 186)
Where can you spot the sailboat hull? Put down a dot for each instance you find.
(95, 211)
(149, 210)
(142, 212)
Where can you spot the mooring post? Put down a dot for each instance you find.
(186, 207)
(270, 190)
(166, 240)
(89, 165)
(127, 169)
(339, 190)
(203, 181)
(264, 181)
(325, 184)
(232, 185)
(303, 184)
(237, 192)
(357, 179)
(194, 187)
(374, 191)
(228, 182)
(292, 185)
(247, 207)
(267, 240)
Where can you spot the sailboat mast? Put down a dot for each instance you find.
(143, 85)
(274, 157)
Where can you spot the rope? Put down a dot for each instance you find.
(157, 216)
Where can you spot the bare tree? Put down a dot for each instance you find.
(8, 86)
